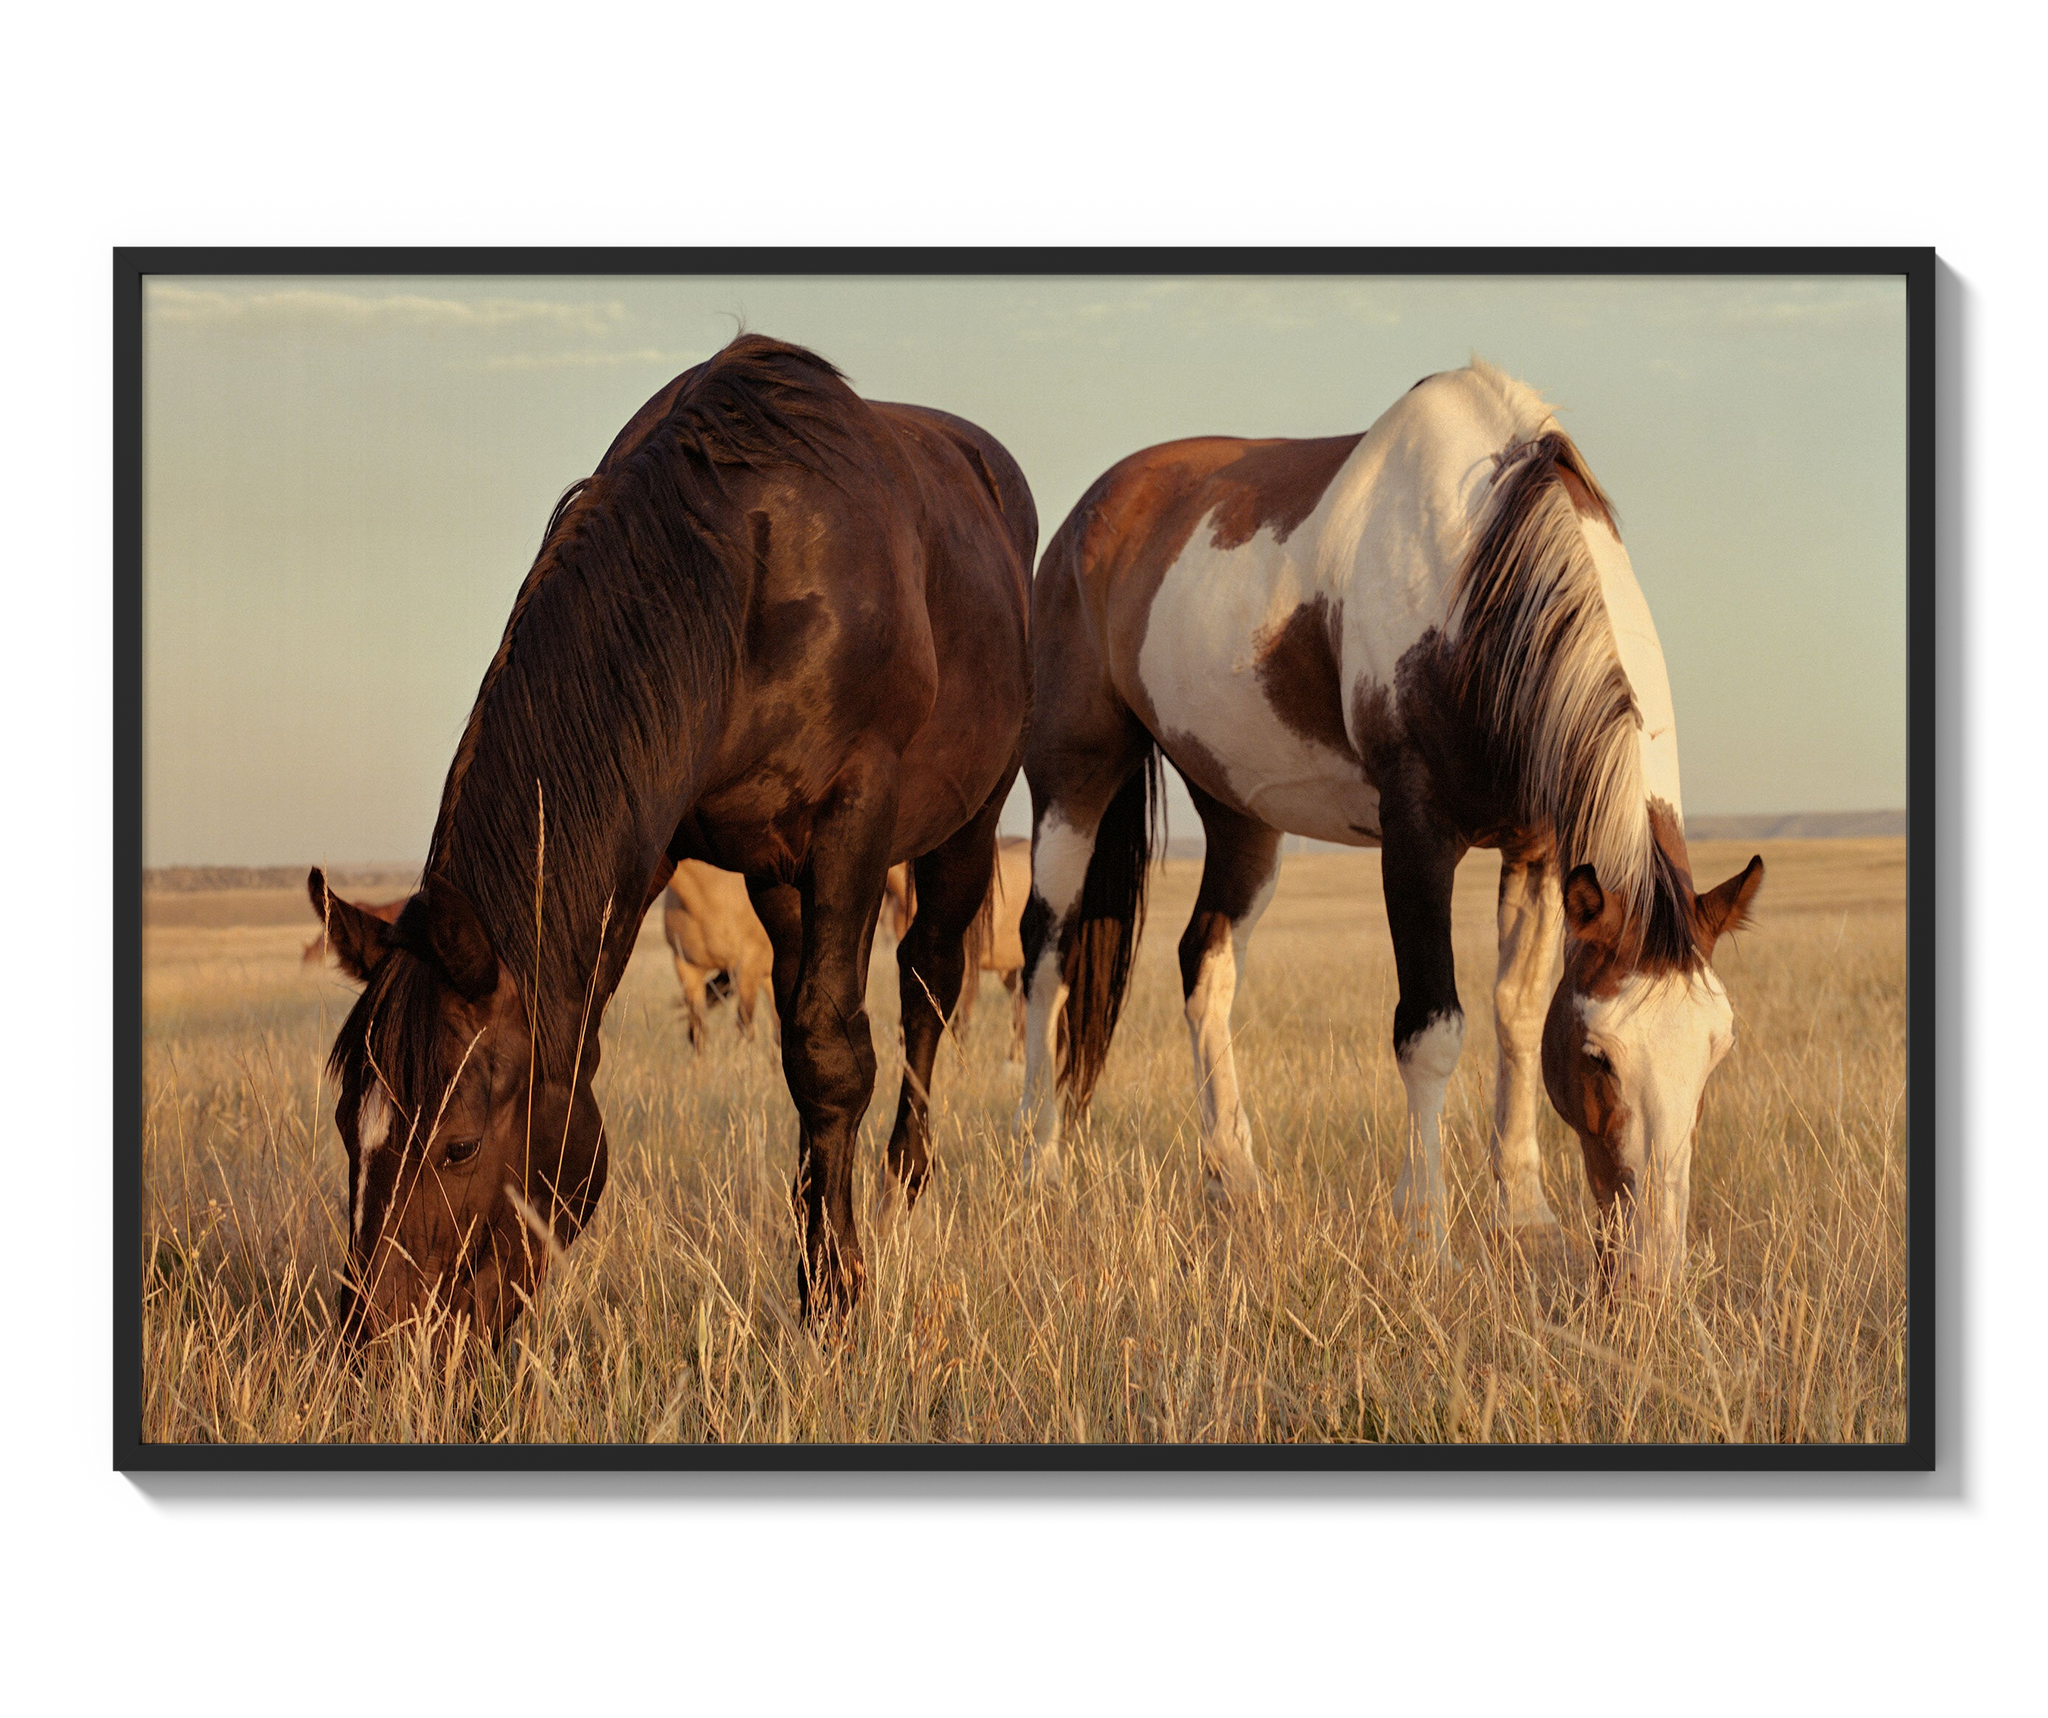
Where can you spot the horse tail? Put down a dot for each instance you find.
(1102, 939)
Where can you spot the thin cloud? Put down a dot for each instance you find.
(1217, 304)
(1824, 304)
(172, 304)
(585, 360)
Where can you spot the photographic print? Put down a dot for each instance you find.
(1134, 859)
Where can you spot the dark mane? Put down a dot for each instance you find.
(609, 683)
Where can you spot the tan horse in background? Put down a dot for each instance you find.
(999, 929)
(713, 930)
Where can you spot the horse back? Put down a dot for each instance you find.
(934, 432)
(889, 609)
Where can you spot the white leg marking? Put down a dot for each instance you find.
(1038, 1111)
(1059, 867)
(1531, 908)
(1226, 1131)
(1059, 862)
(1427, 1060)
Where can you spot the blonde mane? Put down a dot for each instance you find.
(1537, 666)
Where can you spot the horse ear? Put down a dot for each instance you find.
(1591, 914)
(441, 926)
(1726, 908)
(360, 940)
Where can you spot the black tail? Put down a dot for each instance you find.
(1097, 947)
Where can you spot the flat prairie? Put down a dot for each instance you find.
(1119, 1308)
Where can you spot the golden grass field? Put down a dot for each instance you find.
(1120, 1308)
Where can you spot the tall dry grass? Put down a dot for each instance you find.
(1120, 1308)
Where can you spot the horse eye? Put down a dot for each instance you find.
(461, 1151)
(1598, 1059)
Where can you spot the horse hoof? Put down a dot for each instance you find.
(1531, 1232)
(1425, 1242)
(1042, 1170)
(888, 1206)
(1234, 1188)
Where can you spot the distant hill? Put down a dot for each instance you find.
(197, 879)
(1738, 826)
(1796, 825)
(394, 879)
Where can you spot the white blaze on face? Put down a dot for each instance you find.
(1663, 1036)
(373, 1127)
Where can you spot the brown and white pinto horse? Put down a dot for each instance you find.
(782, 630)
(1427, 638)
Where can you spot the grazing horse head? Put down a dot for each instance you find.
(468, 1160)
(1638, 1023)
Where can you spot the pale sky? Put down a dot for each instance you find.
(345, 480)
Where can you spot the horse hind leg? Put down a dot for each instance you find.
(1419, 865)
(933, 966)
(1530, 912)
(1240, 870)
(963, 1009)
(821, 931)
(1013, 982)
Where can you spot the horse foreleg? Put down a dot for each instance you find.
(1531, 909)
(1240, 869)
(693, 981)
(1419, 864)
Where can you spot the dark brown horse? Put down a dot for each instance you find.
(780, 630)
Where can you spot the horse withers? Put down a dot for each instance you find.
(780, 630)
(1425, 638)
